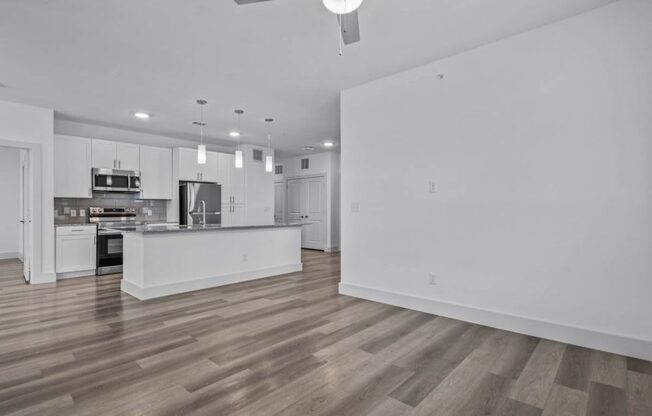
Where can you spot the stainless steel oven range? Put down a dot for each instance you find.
(110, 224)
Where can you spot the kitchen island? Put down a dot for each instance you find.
(168, 259)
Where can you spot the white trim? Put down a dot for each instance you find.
(69, 275)
(585, 337)
(5, 255)
(151, 292)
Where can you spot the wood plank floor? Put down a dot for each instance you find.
(288, 345)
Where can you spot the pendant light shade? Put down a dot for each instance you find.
(269, 163)
(201, 147)
(269, 159)
(342, 6)
(201, 154)
(239, 160)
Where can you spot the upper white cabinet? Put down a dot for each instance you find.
(114, 155)
(231, 179)
(72, 167)
(155, 173)
(190, 170)
(128, 156)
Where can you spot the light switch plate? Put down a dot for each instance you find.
(355, 207)
(82, 212)
(149, 212)
(66, 210)
(433, 187)
(73, 212)
(145, 209)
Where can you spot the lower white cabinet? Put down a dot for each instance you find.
(76, 248)
(233, 215)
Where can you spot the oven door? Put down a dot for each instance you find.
(109, 252)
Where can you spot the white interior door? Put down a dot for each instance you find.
(305, 203)
(315, 236)
(26, 220)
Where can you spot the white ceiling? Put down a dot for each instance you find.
(98, 61)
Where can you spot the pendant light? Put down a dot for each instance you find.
(239, 160)
(342, 6)
(201, 147)
(269, 160)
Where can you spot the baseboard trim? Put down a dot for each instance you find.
(6, 255)
(589, 338)
(69, 275)
(143, 293)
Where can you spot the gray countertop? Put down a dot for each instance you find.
(152, 229)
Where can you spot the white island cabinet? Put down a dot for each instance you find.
(164, 260)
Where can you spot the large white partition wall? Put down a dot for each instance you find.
(539, 151)
(28, 127)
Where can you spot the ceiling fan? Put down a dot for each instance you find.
(347, 17)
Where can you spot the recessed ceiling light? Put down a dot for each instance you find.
(308, 148)
(234, 133)
(328, 143)
(142, 116)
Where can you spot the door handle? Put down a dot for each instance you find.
(22, 221)
(119, 164)
(114, 163)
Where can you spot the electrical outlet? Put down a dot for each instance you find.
(433, 279)
(73, 212)
(66, 210)
(145, 209)
(56, 212)
(355, 207)
(433, 187)
(82, 212)
(244, 258)
(149, 212)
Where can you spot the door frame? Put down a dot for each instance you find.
(326, 222)
(33, 151)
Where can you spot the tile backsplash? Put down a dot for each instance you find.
(64, 208)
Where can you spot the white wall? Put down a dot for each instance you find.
(10, 208)
(328, 165)
(541, 146)
(32, 127)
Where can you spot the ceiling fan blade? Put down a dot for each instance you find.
(241, 2)
(350, 27)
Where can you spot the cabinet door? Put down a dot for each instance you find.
(104, 154)
(279, 201)
(237, 183)
(155, 173)
(227, 215)
(188, 166)
(75, 253)
(238, 216)
(72, 167)
(224, 162)
(128, 156)
(209, 170)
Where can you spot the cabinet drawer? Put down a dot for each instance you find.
(77, 230)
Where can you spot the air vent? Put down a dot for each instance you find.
(305, 163)
(258, 155)
(278, 169)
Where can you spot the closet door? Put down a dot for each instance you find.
(305, 204)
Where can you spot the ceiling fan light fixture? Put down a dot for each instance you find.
(342, 6)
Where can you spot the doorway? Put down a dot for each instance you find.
(306, 203)
(16, 233)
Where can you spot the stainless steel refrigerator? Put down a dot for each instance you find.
(199, 203)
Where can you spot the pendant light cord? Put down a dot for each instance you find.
(341, 35)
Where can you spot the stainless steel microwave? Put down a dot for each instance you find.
(111, 180)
